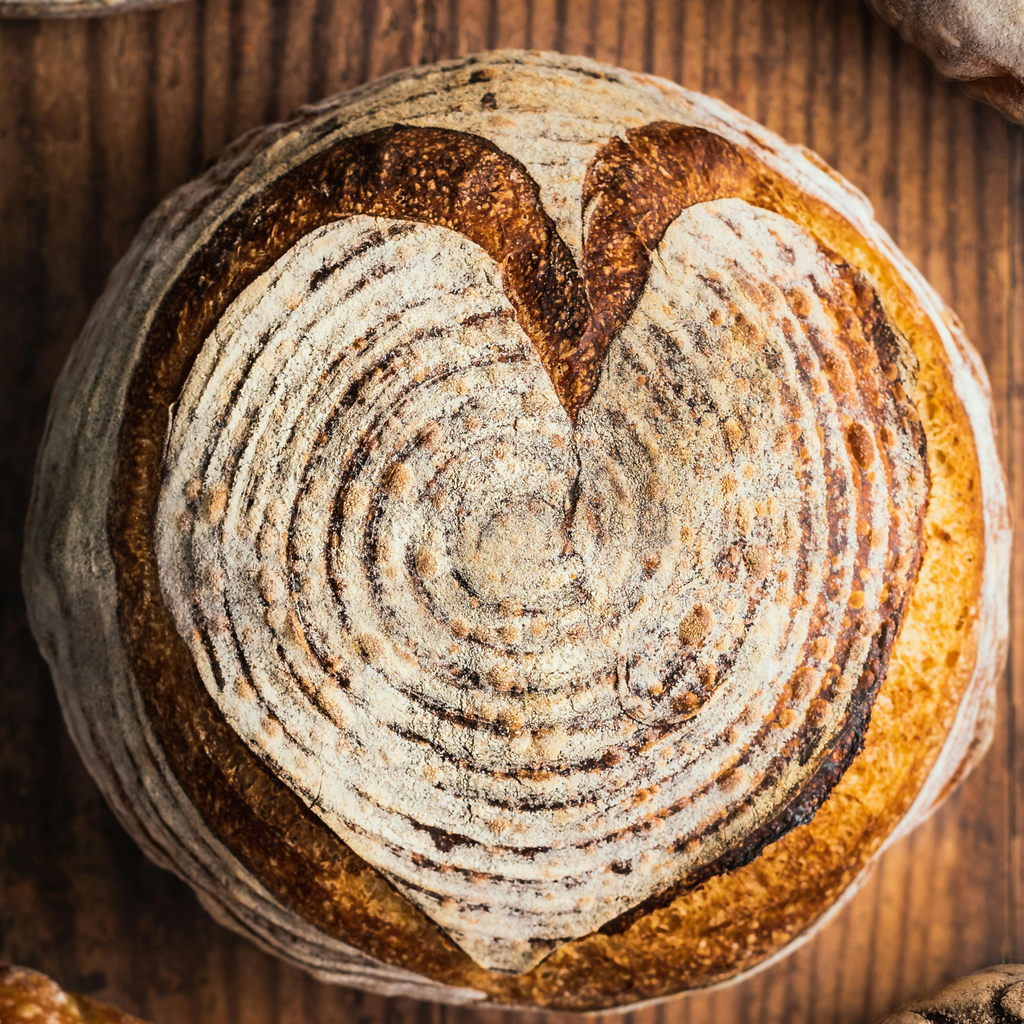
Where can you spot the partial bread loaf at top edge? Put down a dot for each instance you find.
(980, 43)
(72, 8)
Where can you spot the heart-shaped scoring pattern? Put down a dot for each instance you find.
(548, 590)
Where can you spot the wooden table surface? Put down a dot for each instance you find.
(101, 118)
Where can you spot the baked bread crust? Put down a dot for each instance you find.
(302, 891)
(27, 995)
(994, 995)
(72, 8)
(977, 42)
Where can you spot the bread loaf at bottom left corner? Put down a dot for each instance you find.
(28, 997)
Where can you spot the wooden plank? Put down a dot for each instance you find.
(100, 119)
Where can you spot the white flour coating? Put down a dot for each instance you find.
(69, 575)
(362, 535)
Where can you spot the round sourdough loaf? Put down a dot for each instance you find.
(481, 518)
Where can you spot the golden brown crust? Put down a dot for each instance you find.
(1003, 92)
(28, 997)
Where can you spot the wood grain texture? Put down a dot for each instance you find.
(99, 119)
